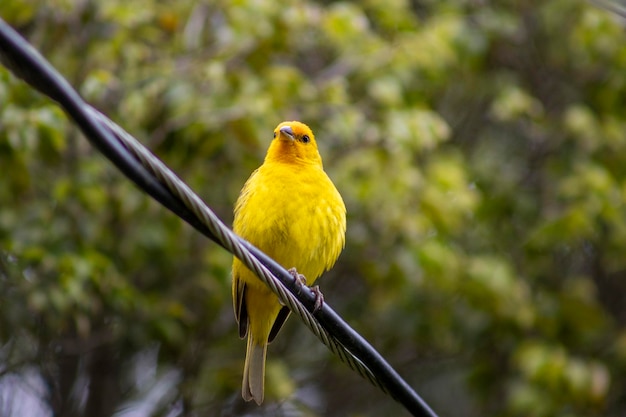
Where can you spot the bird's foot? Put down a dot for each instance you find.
(300, 279)
(319, 298)
(301, 282)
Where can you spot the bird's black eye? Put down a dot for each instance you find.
(274, 135)
(306, 139)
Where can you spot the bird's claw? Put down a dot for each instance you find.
(301, 282)
(319, 298)
(300, 279)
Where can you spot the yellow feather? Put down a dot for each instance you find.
(291, 210)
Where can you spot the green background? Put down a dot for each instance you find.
(480, 148)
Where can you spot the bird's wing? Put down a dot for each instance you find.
(241, 312)
(283, 314)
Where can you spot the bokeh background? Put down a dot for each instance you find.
(480, 147)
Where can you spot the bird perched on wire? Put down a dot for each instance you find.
(290, 210)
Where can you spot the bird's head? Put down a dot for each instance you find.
(294, 142)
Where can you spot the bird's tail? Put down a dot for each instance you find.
(254, 371)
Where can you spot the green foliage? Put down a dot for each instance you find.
(479, 149)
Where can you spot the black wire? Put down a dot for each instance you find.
(25, 62)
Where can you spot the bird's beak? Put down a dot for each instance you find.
(287, 131)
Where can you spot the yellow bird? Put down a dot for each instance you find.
(291, 210)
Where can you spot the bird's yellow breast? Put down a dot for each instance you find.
(295, 214)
